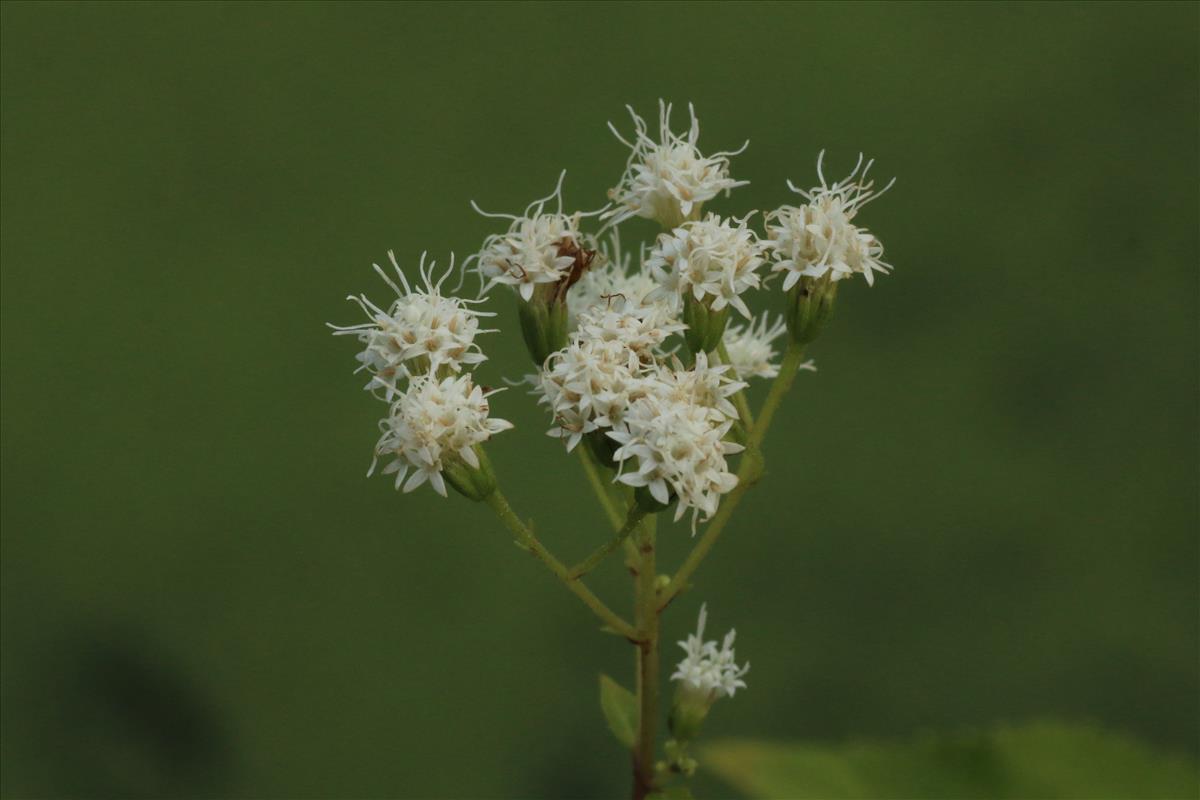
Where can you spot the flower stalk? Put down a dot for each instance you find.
(526, 539)
(636, 514)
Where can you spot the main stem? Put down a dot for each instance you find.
(647, 661)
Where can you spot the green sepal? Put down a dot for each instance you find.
(705, 327)
(620, 708)
(688, 711)
(810, 307)
(473, 483)
(543, 322)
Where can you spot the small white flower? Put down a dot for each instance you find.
(669, 179)
(610, 282)
(713, 257)
(708, 669)
(640, 328)
(422, 324)
(675, 446)
(705, 385)
(431, 422)
(749, 346)
(588, 385)
(819, 237)
(607, 364)
(538, 247)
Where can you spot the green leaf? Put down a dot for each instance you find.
(620, 710)
(1042, 760)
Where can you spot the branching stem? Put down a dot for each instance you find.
(526, 539)
(632, 520)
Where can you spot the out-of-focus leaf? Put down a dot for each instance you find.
(1040, 760)
(620, 710)
(672, 793)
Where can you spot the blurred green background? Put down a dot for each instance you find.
(983, 507)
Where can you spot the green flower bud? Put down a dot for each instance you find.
(705, 327)
(473, 483)
(810, 307)
(678, 761)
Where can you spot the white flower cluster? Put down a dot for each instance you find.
(819, 237)
(678, 446)
(423, 327)
(670, 422)
(707, 668)
(664, 426)
(539, 247)
(608, 364)
(417, 352)
(711, 258)
(668, 180)
(435, 420)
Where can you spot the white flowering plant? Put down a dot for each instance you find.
(644, 378)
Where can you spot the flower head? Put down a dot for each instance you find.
(819, 237)
(589, 384)
(539, 247)
(749, 346)
(668, 179)
(708, 669)
(706, 385)
(640, 328)
(713, 259)
(675, 446)
(435, 422)
(611, 281)
(421, 328)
